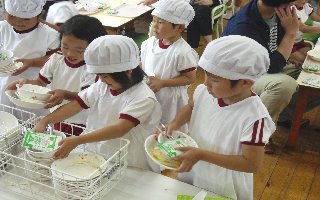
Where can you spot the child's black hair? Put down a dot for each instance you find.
(234, 82)
(123, 79)
(276, 3)
(83, 27)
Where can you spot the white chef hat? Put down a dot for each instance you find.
(235, 57)
(174, 11)
(24, 8)
(111, 53)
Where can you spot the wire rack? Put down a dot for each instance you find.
(11, 137)
(35, 179)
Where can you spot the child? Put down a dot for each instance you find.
(227, 120)
(60, 12)
(66, 70)
(168, 59)
(30, 41)
(300, 48)
(120, 104)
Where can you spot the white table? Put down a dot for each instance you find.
(137, 184)
(115, 21)
(305, 91)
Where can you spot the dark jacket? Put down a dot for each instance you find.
(249, 22)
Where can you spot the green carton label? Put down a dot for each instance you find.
(168, 147)
(40, 141)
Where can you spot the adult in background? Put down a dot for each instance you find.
(274, 25)
(201, 25)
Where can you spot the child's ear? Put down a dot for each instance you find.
(248, 82)
(181, 27)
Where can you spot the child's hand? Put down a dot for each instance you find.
(19, 83)
(56, 98)
(66, 146)
(40, 127)
(26, 64)
(171, 127)
(188, 158)
(155, 83)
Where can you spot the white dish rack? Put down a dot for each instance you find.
(13, 136)
(35, 180)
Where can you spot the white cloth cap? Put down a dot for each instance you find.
(24, 8)
(235, 57)
(174, 11)
(111, 53)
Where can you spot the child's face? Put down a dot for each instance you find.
(21, 24)
(219, 87)
(163, 29)
(107, 79)
(73, 48)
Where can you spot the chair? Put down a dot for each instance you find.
(216, 16)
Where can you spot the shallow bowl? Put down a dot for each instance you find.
(34, 92)
(22, 103)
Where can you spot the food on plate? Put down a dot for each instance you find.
(313, 68)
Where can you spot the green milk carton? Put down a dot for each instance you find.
(168, 147)
(40, 141)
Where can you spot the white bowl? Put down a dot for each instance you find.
(179, 135)
(10, 69)
(47, 154)
(77, 167)
(34, 92)
(7, 123)
(150, 143)
(34, 168)
(22, 103)
(6, 58)
(314, 54)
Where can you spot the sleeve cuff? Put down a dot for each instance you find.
(253, 144)
(82, 103)
(44, 79)
(135, 121)
(188, 70)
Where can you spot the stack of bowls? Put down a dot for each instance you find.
(78, 176)
(37, 169)
(9, 135)
(45, 154)
(7, 64)
(37, 163)
(29, 96)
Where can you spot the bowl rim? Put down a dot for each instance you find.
(35, 92)
(146, 148)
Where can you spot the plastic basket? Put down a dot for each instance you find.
(36, 180)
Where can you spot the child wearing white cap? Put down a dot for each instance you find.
(228, 121)
(168, 59)
(29, 40)
(65, 71)
(59, 13)
(120, 104)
